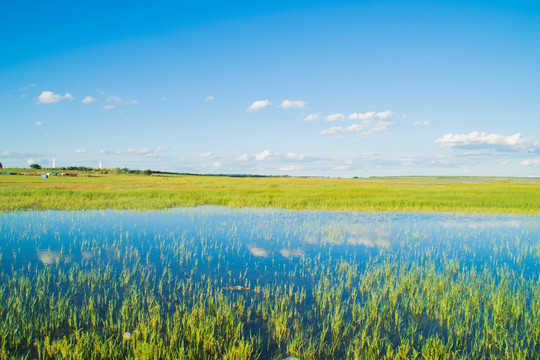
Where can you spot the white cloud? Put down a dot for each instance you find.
(312, 117)
(209, 98)
(30, 162)
(385, 115)
(103, 151)
(363, 116)
(263, 155)
(38, 123)
(371, 116)
(335, 117)
(477, 139)
(287, 104)
(332, 130)
(531, 162)
(354, 127)
(205, 154)
(421, 123)
(216, 164)
(365, 123)
(88, 100)
(258, 105)
(24, 88)
(80, 151)
(112, 99)
(380, 126)
(48, 97)
(243, 157)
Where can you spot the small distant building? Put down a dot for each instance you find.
(44, 176)
(11, 173)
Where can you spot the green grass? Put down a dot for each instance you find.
(471, 195)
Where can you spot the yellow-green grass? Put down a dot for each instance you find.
(471, 195)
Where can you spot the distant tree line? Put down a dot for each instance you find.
(150, 172)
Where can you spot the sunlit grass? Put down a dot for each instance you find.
(473, 195)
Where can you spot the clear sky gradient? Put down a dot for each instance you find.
(331, 88)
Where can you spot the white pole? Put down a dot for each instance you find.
(100, 164)
(53, 163)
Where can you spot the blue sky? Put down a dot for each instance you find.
(332, 88)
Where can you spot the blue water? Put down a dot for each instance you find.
(248, 240)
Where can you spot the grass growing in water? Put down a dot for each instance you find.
(322, 289)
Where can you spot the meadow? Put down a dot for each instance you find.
(161, 191)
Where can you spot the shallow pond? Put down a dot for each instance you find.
(211, 282)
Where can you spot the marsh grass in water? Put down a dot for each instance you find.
(216, 283)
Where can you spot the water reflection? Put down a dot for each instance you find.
(292, 253)
(258, 251)
(216, 234)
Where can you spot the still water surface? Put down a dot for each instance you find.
(269, 284)
(271, 237)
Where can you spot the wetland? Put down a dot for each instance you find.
(212, 282)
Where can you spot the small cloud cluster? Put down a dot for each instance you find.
(88, 100)
(265, 154)
(286, 104)
(477, 139)
(114, 101)
(335, 117)
(531, 162)
(49, 97)
(312, 118)
(421, 123)
(209, 98)
(270, 155)
(364, 123)
(258, 105)
(371, 116)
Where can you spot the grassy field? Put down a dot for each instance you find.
(472, 195)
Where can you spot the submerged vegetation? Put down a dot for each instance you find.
(215, 283)
(160, 191)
